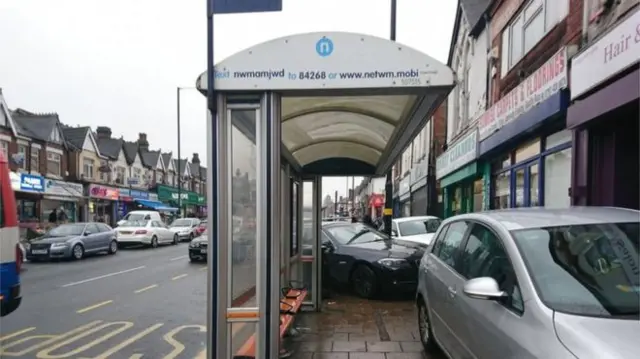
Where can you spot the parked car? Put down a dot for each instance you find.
(145, 232)
(198, 248)
(185, 228)
(367, 260)
(419, 229)
(141, 215)
(201, 228)
(74, 241)
(533, 283)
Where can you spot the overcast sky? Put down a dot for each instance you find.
(118, 62)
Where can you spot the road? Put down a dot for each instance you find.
(139, 303)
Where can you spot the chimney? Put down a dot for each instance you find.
(103, 132)
(196, 159)
(143, 144)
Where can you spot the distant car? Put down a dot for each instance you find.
(418, 229)
(368, 261)
(533, 283)
(201, 228)
(185, 228)
(198, 248)
(145, 232)
(74, 241)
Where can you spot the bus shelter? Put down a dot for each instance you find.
(290, 111)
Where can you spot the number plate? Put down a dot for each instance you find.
(39, 251)
(203, 251)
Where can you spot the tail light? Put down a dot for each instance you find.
(18, 258)
(141, 231)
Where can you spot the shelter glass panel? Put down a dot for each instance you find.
(243, 206)
(239, 334)
(307, 235)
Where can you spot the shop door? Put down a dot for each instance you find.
(525, 185)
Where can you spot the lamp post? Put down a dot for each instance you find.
(388, 186)
(178, 89)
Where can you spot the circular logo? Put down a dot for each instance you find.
(324, 47)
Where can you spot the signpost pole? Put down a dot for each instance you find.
(388, 185)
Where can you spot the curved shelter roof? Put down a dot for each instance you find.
(350, 102)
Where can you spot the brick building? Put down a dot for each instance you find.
(523, 145)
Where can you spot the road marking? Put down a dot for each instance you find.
(179, 276)
(15, 334)
(102, 276)
(129, 341)
(178, 258)
(177, 346)
(92, 307)
(50, 339)
(145, 288)
(136, 356)
(73, 353)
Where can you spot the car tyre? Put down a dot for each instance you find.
(113, 247)
(176, 239)
(424, 328)
(154, 242)
(364, 281)
(77, 252)
(190, 236)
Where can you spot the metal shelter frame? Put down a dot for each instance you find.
(312, 104)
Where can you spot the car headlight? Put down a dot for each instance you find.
(59, 245)
(392, 262)
(193, 244)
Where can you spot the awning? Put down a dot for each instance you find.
(158, 206)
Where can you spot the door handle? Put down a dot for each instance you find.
(452, 292)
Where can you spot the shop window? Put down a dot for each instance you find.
(502, 162)
(35, 160)
(4, 148)
(557, 179)
(88, 168)
(520, 174)
(22, 151)
(54, 163)
(557, 139)
(448, 247)
(502, 190)
(456, 203)
(534, 191)
(528, 151)
(478, 195)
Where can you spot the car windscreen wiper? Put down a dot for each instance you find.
(362, 231)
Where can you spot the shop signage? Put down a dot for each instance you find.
(25, 182)
(458, 155)
(612, 53)
(61, 188)
(104, 192)
(133, 193)
(405, 185)
(166, 193)
(539, 86)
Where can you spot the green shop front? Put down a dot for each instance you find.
(461, 176)
(190, 203)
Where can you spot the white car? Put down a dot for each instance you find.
(145, 232)
(185, 228)
(419, 229)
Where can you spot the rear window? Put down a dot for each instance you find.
(139, 223)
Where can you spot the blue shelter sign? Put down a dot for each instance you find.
(244, 6)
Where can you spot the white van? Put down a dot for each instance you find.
(141, 216)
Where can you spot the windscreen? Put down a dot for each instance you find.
(66, 230)
(585, 270)
(135, 223)
(181, 223)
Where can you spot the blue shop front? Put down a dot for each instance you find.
(28, 190)
(524, 143)
(132, 199)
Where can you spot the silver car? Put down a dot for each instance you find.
(533, 283)
(73, 240)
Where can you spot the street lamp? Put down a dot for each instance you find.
(178, 89)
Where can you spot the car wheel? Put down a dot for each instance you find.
(176, 239)
(77, 252)
(363, 281)
(154, 242)
(424, 327)
(113, 247)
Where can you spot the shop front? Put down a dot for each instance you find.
(460, 176)
(419, 191)
(524, 146)
(61, 195)
(134, 200)
(103, 203)
(191, 202)
(404, 197)
(28, 190)
(604, 116)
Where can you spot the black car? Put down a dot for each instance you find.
(368, 261)
(198, 248)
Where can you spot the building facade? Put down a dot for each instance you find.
(604, 113)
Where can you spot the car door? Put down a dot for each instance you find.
(91, 239)
(489, 328)
(159, 231)
(336, 261)
(443, 284)
(106, 235)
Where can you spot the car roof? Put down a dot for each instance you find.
(413, 218)
(538, 217)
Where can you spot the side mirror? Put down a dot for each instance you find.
(86, 233)
(485, 288)
(327, 246)
(394, 233)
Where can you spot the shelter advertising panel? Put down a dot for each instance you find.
(458, 155)
(539, 86)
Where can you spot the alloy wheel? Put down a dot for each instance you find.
(78, 251)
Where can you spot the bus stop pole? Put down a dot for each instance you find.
(388, 186)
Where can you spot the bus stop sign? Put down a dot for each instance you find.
(244, 6)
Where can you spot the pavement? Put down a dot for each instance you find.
(138, 303)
